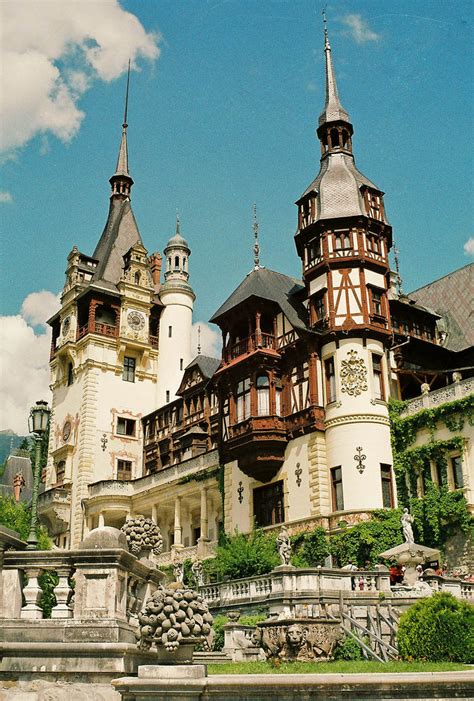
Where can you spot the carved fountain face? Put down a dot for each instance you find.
(295, 635)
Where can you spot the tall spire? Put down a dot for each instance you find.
(121, 180)
(333, 110)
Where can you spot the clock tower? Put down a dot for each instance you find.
(104, 366)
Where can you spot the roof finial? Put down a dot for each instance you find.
(256, 246)
(177, 222)
(125, 125)
(325, 22)
(397, 268)
(199, 340)
(121, 180)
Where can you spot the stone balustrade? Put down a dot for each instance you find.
(459, 588)
(287, 581)
(431, 400)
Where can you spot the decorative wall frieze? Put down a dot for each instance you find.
(298, 472)
(357, 418)
(353, 375)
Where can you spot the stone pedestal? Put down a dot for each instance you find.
(164, 682)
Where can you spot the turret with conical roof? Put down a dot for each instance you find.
(177, 297)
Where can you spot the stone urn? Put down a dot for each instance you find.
(143, 536)
(174, 619)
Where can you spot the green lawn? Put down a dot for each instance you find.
(339, 667)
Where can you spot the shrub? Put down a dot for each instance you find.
(17, 516)
(249, 555)
(348, 649)
(310, 549)
(440, 628)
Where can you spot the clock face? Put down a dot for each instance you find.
(66, 430)
(66, 325)
(136, 321)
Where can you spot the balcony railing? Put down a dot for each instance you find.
(102, 329)
(430, 400)
(253, 342)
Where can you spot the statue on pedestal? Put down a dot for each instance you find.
(284, 546)
(407, 520)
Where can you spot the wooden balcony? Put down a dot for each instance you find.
(254, 342)
(258, 443)
(98, 328)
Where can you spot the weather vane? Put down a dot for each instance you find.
(397, 268)
(199, 340)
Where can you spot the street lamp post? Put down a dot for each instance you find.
(38, 425)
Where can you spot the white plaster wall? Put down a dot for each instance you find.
(298, 505)
(318, 283)
(178, 313)
(361, 490)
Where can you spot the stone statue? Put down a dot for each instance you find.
(178, 571)
(284, 546)
(296, 645)
(407, 520)
(293, 640)
(198, 572)
(18, 484)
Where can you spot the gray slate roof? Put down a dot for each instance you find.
(452, 297)
(119, 235)
(337, 186)
(273, 286)
(206, 365)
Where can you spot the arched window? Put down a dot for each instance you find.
(185, 262)
(137, 278)
(169, 263)
(334, 138)
(345, 139)
(263, 395)
(176, 262)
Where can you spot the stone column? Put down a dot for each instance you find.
(32, 593)
(204, 516)
(178, 531)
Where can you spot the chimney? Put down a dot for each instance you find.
(154, 261)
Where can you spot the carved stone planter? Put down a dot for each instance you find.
(304, 639)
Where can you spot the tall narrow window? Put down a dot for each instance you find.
(330, 380)
(243, 400)
(60, 472)
(320, 307)
(376, 298)
(128, 372)
(167, 396)
(137, 278)
(278, 392)
(387, 486)
(70, 374)
(337, 493)
(377, 375)
(263, 395)
(124, 469)
(268, 505)
(180, 363)
(458, 480)
(176, 262)
(170, 331)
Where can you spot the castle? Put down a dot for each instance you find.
(290, 425)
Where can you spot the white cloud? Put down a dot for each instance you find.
(37, 307)
(52, 51)
(469, 246)
(359, 29)
(24, 365)
(209, 339)
(5, 196)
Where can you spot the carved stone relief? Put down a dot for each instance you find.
(353, 375)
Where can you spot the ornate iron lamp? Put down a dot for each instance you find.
(37, 424)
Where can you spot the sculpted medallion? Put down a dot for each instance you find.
(353, 375)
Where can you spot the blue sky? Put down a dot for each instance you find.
(225, 116)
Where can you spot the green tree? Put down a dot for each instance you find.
(242, 555)
(17, 516)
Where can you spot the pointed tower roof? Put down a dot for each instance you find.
(333, 110)
(120, 231)
(177, 241)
